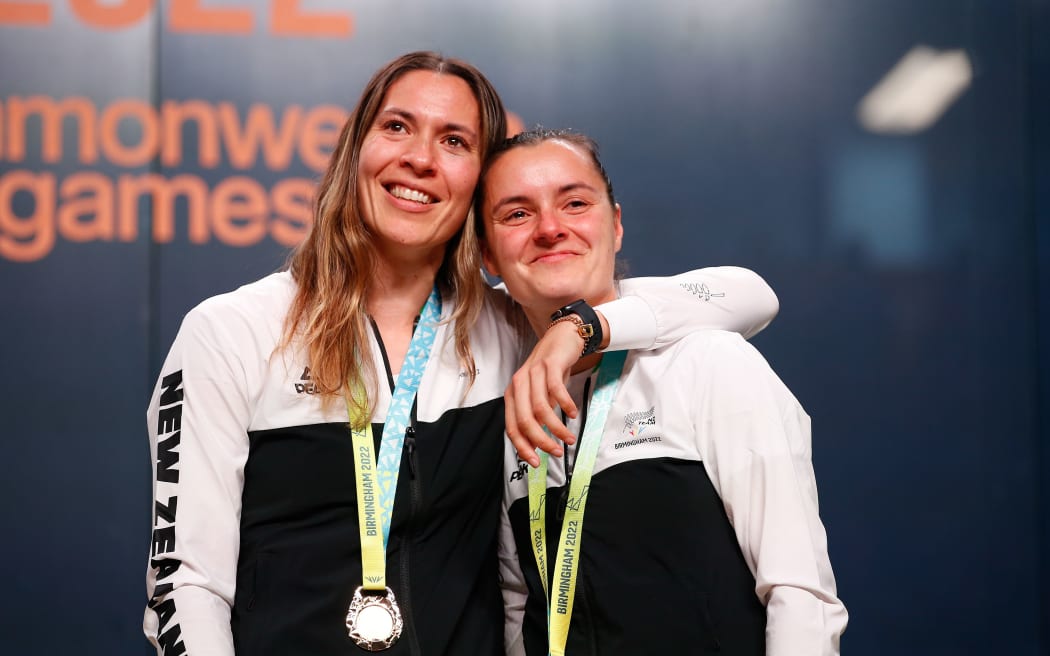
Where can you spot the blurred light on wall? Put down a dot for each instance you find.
(916, 92)
(877, 202)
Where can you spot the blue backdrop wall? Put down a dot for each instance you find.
(153, 154)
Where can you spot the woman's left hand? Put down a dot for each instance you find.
(537, 388)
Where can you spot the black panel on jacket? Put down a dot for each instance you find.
(300, 557)
(659, 557)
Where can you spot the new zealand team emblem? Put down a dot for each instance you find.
(636, 423)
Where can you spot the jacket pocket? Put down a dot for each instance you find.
(710, 642)
(250, 603)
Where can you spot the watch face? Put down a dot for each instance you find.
(571, 308)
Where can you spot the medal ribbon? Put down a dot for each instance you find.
(377, 478)
(568, 555)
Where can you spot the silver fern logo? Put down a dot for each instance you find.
(701, 291)
(635, 423)
(636, 429)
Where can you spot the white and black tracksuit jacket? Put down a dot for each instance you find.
(701, 532)
(255, 546)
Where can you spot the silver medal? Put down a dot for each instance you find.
(374, 620)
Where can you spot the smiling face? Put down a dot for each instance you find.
(551, 230)
(419, 163)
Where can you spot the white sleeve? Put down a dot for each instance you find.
(654, 312)
(197, 421)
(755, 443)
(511, 578)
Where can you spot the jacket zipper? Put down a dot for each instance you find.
(406, 541)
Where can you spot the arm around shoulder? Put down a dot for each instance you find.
(653, 312)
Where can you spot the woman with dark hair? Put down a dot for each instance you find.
(327, 441)
(684, 519)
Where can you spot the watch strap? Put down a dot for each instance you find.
(587, 324)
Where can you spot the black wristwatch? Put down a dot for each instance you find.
(587, 324)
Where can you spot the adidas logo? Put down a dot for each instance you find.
(305, 384)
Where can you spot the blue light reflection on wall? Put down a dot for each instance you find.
(877, 205)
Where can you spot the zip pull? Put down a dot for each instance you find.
(563, 500)
(410, 444)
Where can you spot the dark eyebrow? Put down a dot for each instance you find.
(509, 200)
(564, 189)
(411, 118)
(573, 186)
